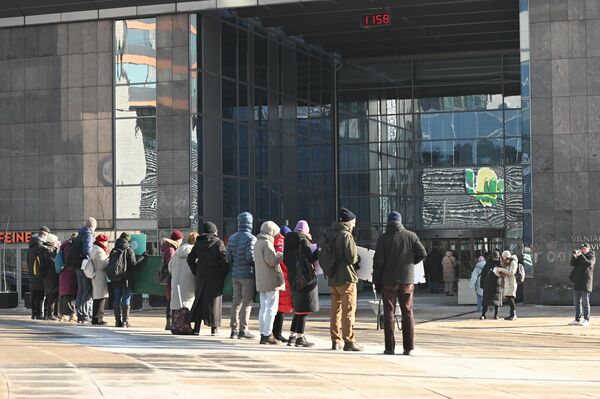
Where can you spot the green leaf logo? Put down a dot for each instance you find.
(486, 187)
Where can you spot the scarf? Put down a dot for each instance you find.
(98, 243)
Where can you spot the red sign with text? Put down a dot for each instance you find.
(15, 237)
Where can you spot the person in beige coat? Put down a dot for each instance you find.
(449, 269)
(508, 267)
(269, 279)
(183, 281)
(99, 258)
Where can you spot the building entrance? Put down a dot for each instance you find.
(14, 275)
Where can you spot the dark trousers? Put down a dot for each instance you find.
(278, 324)
(37, 302)
(298, 323)
(65, 305)
(98, 310)
(511, 304)
(51, 305)
(403, 293)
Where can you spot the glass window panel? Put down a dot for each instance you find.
(261, 107)
(513, 154)
(196, 155)
(354, 130)
(136, 202)
(244, 195)
(230, 197)
(242, 111)
(472, 102)
(230, 149)
(135, 100)
(194, 33)
(442, 153)
(261, 161)
(315, 79)
(489, 152)
(260, 61)
(228, 50)
(195, 92)
(243, 55)
(461, 125)
(229, 99)
(135, 49)
(464, 152)
(243, 148)
(135, 151)
(302, 65)
(512, 123)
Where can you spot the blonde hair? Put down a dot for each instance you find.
(192, 238)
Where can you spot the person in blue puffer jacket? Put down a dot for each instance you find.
(240, 256)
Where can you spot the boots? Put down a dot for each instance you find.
(168, 325)
(125, 316)
(117, 310)
(197, 328)
(168, 316)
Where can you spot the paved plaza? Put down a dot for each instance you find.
(456, 356)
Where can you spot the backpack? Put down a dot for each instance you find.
(305, 274)
(37, 267)
(326, 255)
(520, 274)
(74, 254)
(117, 264)
(59, 263)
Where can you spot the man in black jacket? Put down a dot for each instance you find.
(396, 253)
(582, 276)
(36, 283)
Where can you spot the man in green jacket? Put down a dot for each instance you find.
(342, 284)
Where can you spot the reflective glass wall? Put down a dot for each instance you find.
(438, 140)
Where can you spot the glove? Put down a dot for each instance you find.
(357, 264)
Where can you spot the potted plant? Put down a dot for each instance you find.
(8, 299)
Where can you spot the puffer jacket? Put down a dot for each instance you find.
(86, 235)
(267, 259)
(475, 281)
(99, 259)
(509, 281)
(168, 248)
(285, 296)
(346, 255)
(240, 248)
(182, 277)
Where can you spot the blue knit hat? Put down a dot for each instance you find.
(284, 230)
(394, 216)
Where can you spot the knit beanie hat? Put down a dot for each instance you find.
(101, 238)
(125, 236)
(345, 215)
(176, 235)
(209, 228)
(394, 216)
(506, 254)
(284, 230)
(302, 226)
(44, 229)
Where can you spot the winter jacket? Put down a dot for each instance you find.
(449, 268)
(36, 282)
(86, 235)
(475, 281)
(49, 275)
(207, 262)
(67, 279)
(297, 244)
(285, 296)
(509, 281)
(99, 259)
(396, 253)
(583, 271)
(240, 248)
(491, 285)
(132, 261)
(168, 248)
(182, 279)
(345, 254)
(267, 260)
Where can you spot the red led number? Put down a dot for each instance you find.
(372, 20)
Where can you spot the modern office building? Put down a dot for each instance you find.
(477, 120)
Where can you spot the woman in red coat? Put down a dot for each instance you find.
(285, 298)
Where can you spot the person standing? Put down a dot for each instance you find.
(298, 250)
(168, 248)
(582, 276)
(269, 279)
(99, 259)
(84, 302)
(36, 282)
(490, 282)
(449, 268)
(123, 285)
(50, 277)
(67, 285)
(182, 278)
(285, 296)
(240, 256)
(342, 283)
(207, 262)
(396, 253)
(475, 281)
(508, 267)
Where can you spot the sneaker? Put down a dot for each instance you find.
(245, 334)
(575, 323)
(234, 334)
(585, 323)
(482, 317)
(511, 318)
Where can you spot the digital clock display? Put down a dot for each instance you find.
(375, 20)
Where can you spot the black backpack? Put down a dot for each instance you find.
(74, 254)
(305, 274)
(326, 256)
(117, 264)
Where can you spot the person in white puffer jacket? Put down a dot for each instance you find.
(183, 282)
(99, 258)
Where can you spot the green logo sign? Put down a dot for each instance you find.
(486, 187)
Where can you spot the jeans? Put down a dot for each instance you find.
(479, 300)
(243, 297)
(343, 309)
(403, 293)
(269, 302)
(122, 296)
(84, 301)
(581, 300)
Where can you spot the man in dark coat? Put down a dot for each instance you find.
(396, 253)
(36, 283)
(433, 269)
(582, 276)
(122, 288)
(491, 284)
(84, 301)
(207, 262)
(50, 277)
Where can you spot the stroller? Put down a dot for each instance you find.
(377, 308)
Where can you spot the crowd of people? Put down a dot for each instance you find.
(70, 280)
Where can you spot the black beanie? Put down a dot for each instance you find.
(209, 228)
(346, 215)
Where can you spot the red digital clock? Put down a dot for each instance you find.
(376, 20)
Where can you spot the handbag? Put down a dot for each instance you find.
(88, 268)
(59, 262)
